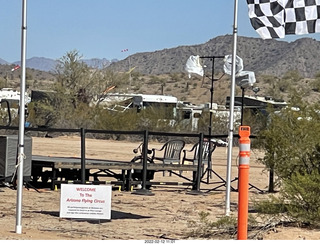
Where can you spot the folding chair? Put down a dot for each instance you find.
(171, 152)
(207, 149)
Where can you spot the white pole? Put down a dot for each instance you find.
(232, 92)
(21, 120)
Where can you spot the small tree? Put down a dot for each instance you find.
(69, 96)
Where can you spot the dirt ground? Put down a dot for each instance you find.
(166, 215)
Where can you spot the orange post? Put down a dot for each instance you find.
(243, 176)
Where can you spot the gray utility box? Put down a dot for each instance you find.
(8, 157)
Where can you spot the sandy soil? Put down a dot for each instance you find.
(167, 215)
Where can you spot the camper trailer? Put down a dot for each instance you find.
(190, 114)
(156, 101)
(122, 102)
(187, 114)
(12, 96)
(9, 103)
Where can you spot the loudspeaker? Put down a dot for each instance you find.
(8, 157)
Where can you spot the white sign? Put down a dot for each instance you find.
(85, 201)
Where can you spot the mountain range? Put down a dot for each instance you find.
(47, 64)
(270, 57)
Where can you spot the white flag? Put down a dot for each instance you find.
(193, 66)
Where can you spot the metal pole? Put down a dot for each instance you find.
(145, 160)
(211, 113)
(210, 119)
(211, 98)
(242, 107)
(21, 119)
(232, 92)
(200, 161)
(83, 155)
(144, 190)
(197, 174)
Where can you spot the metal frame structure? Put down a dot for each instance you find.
(209, 170)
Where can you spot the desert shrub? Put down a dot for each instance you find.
(41, 113)
(293, 76)
(4, 117)
(2, 83)
(292, 150)
(315, 84)
(82, 117)
(289, 145)
(205, 228)
(225, 227)
(284, 85)
(273, 206)
(268, 79)
(111, 120)
(303, 189)
(175, 77)
(151, 118)
(219, 124)
(256, 119)
(155, 79)
(298, 199)
(156, 118)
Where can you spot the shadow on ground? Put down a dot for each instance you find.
(114, 216)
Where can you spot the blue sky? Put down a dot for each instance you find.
(102, 28)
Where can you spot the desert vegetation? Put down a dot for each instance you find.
(289, 137)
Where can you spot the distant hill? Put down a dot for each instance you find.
(48, 65)
(271, 57)
(40, 63)
(162, 71)
(3, 61)
(98, 63)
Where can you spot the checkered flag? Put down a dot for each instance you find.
(276, 18)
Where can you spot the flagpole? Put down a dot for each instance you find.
(21, 119)
(232, 93)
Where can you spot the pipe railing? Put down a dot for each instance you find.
(146, 134)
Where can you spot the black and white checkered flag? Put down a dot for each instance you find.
(276, 18)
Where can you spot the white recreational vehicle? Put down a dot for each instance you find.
(12, 96)
(186, 113)
(122, 102)
(154, 100)
(190, 114)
